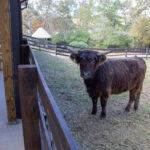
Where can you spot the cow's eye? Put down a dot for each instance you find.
(91, 60)
(82, 58)
(95, 59)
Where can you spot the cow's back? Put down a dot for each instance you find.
(120, 75)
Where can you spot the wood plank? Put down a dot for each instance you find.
(5, 42)
(16, 38)
(1, 62)
(60, 131)
(47, 51)
(25, 54)
(62, 54)
(46, 138)
(29, 106)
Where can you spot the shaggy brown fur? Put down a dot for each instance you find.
(112, 76)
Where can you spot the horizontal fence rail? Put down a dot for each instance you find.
(64, 49)
(43, 124)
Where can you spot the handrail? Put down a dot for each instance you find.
(60, 132)
(63, 133)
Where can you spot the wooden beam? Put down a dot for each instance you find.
(5, 42)
(29, 106)
(44, 131)
(16, 40)
(25, 54)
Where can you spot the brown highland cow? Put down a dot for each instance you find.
(103, 77)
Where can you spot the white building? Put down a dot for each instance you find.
(41, 33)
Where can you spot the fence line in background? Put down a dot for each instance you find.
(64, 49)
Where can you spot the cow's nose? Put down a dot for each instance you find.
(86, 74)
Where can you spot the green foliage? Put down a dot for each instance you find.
(79, 44)
(110, 11)
(85, 14)
(58, 38)
(115, 40)
(77, 38)
(140, 32)
(108, 21)
(79, 35)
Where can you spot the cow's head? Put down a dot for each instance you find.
(88, 61)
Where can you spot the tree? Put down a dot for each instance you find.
(31, 20)
(57, 15)
(140, 31)
(140, 25)
(110, 10)
(84, 15)
(109, 22)
(142, 7)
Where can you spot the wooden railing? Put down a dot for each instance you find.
(50, 47)
(43, 124)
(1, 62)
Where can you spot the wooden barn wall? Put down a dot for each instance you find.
(5, 41)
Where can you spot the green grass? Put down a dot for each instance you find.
(63, 76)
(147, 77)
(131, 131)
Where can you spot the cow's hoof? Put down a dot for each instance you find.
(103, 116)
(127, 110)
(135, 107)
(93, 112)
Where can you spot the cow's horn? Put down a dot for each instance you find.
(108, 52)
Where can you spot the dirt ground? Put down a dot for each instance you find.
(120, 131)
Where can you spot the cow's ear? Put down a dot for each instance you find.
(75, 57)
(100, 58)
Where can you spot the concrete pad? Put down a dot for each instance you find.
(11, 136)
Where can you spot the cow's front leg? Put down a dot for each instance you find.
(104, 99)
(94, 109)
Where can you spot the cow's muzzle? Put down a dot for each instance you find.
(85, 74)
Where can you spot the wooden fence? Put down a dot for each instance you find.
(1, 62)
(64, 49)
(44, 127)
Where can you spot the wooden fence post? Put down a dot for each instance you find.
(126, 53)
(39, 45)
(29, 106)
(56, 48)
(146, 52)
